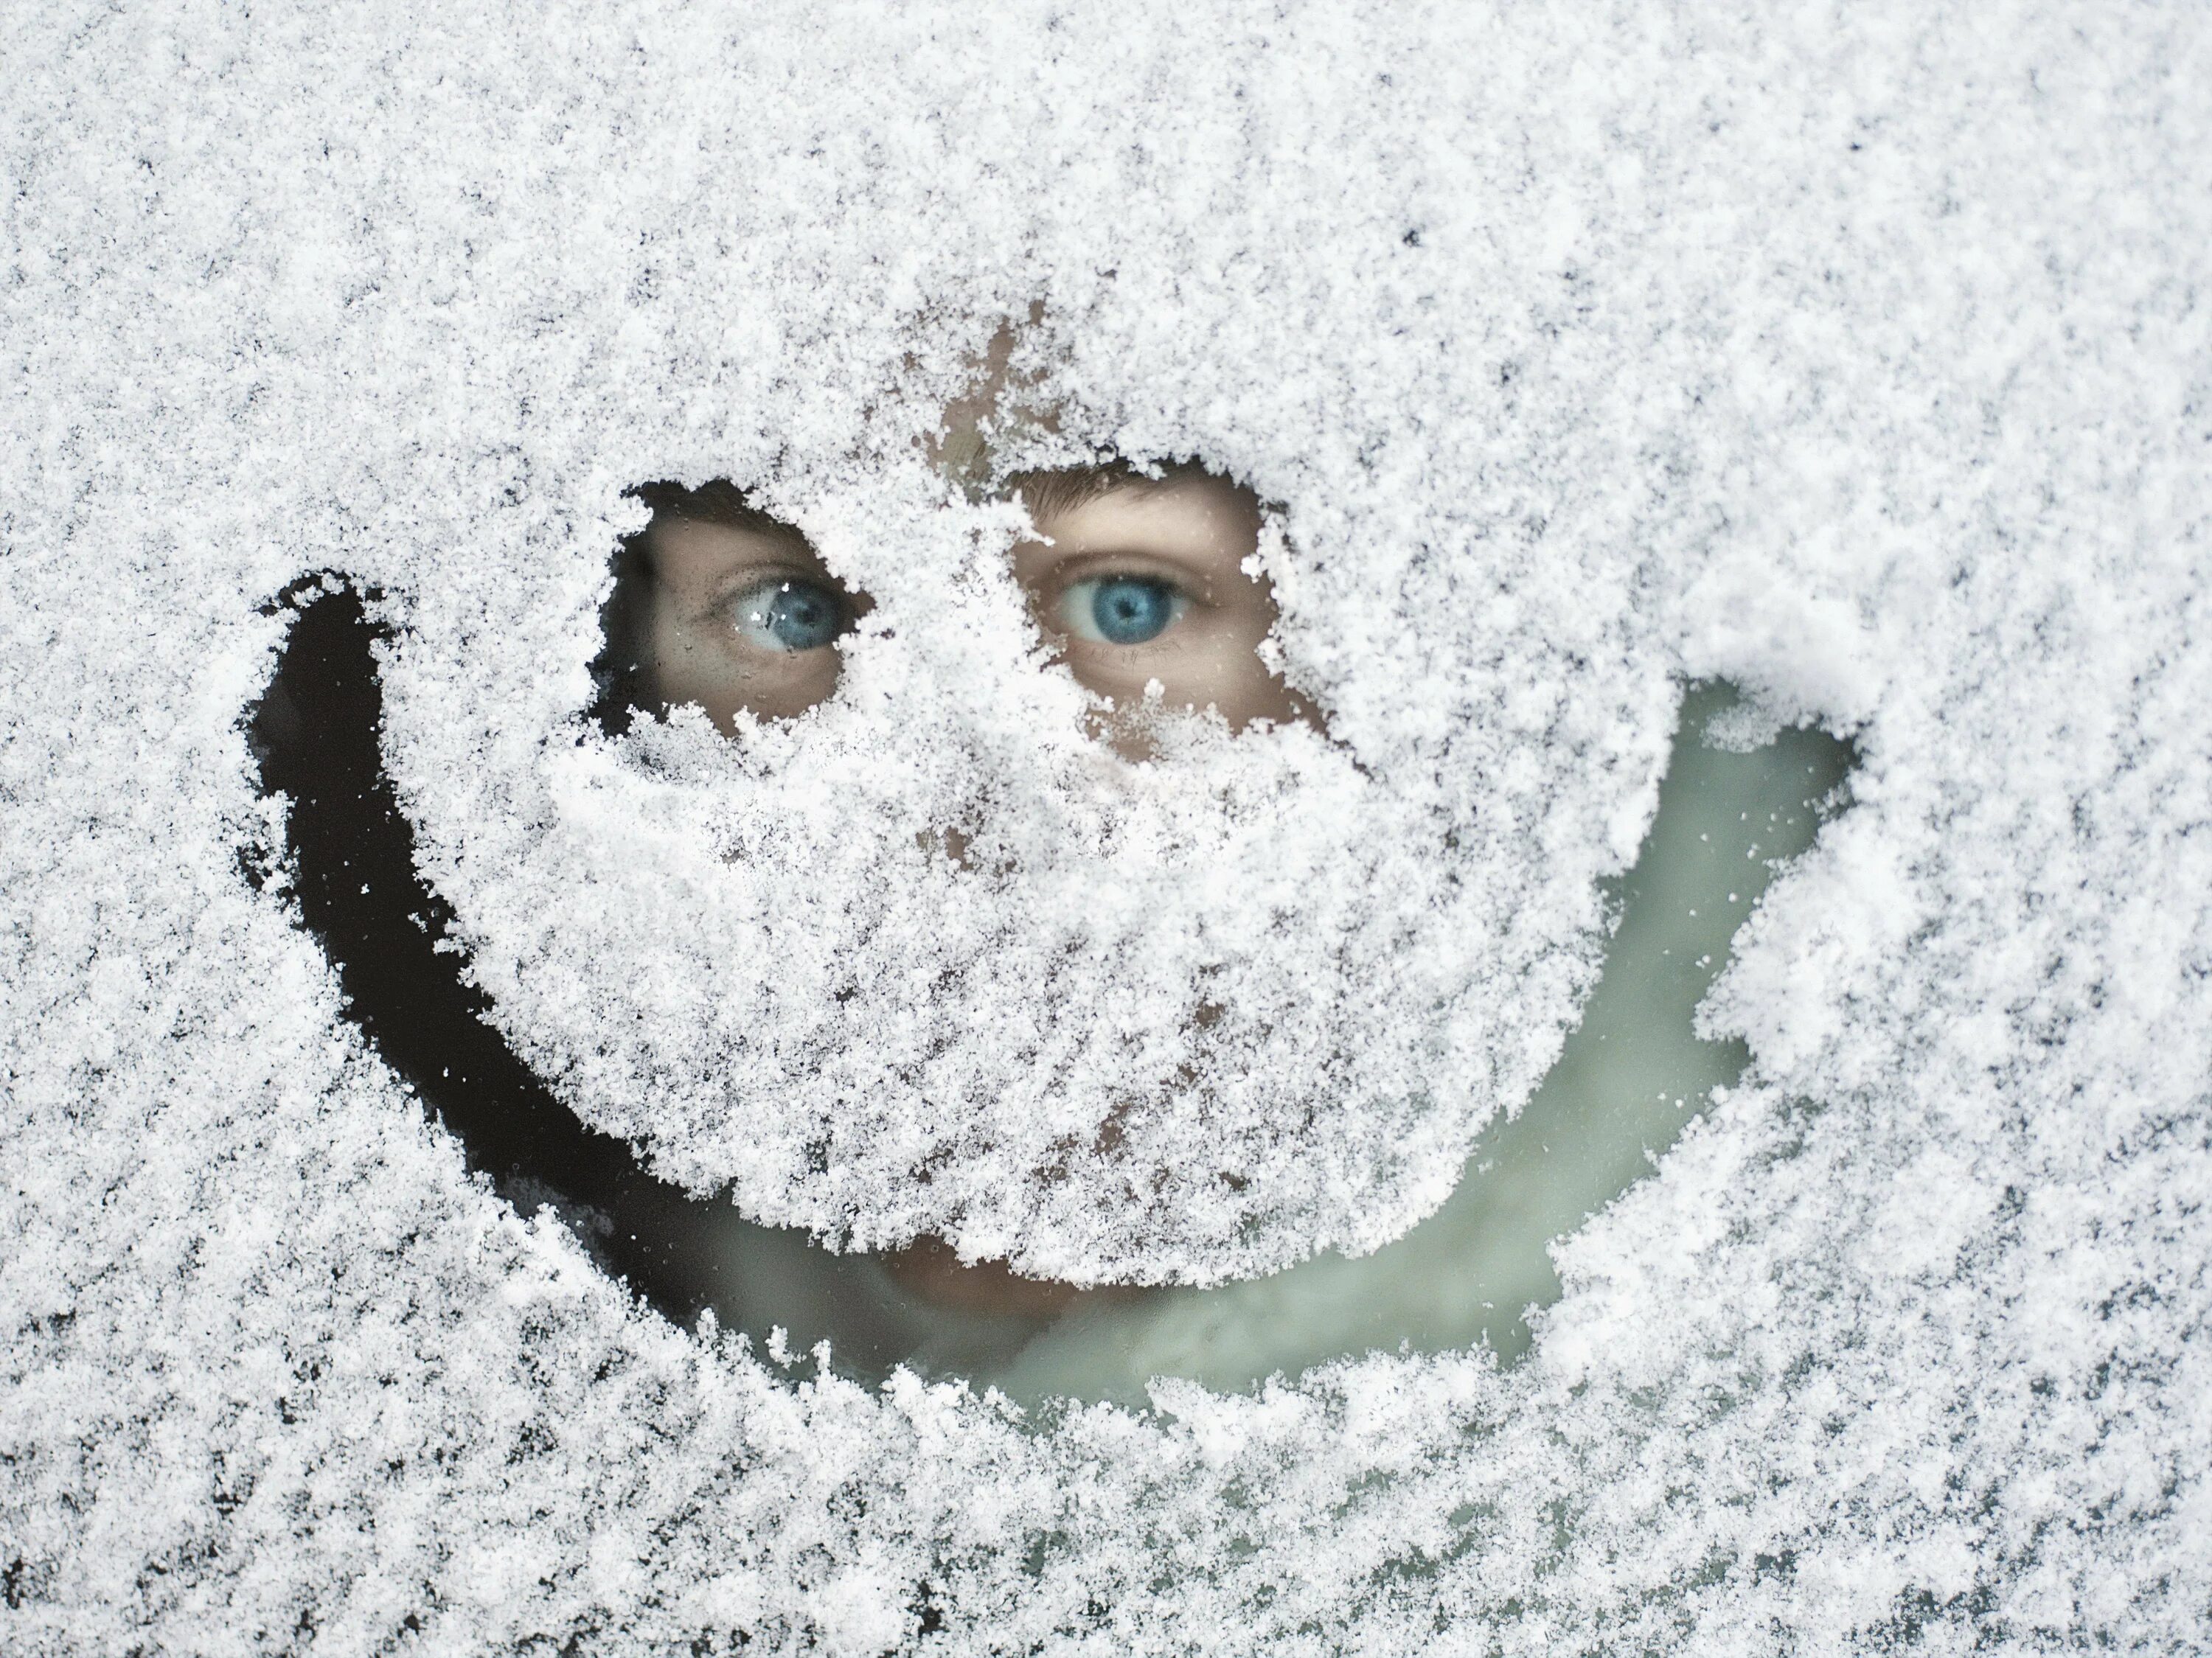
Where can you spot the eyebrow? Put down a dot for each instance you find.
(1046, 494)
(718, 503)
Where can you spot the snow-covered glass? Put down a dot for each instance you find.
(486, 1012)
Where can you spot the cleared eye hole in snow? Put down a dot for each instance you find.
(1135, 578)
(1737, 802)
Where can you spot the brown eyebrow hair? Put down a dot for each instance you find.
(1047, 493)
(720, 501)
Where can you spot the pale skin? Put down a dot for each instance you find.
(1133, 582)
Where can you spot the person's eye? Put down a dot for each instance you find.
(1121, 610)
(789, 613)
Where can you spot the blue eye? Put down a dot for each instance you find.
(790, 613)
(1121, 610)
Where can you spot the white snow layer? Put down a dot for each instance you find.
(1859, 356)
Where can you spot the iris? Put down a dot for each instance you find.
(1122, 610)
(790, 614)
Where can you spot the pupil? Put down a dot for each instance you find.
(1129, 610)
(802, 617)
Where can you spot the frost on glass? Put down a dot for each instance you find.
(1151, 1023)
(862, 1034)
(1857, 360)
(1738, 804)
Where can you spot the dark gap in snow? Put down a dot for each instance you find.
(352, 851)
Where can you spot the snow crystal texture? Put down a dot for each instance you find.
(1859, 358)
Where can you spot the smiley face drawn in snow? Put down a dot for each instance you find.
(1461, 1277)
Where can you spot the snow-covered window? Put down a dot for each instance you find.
(1001, 830)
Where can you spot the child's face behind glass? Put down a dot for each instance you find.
(1136, 581)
